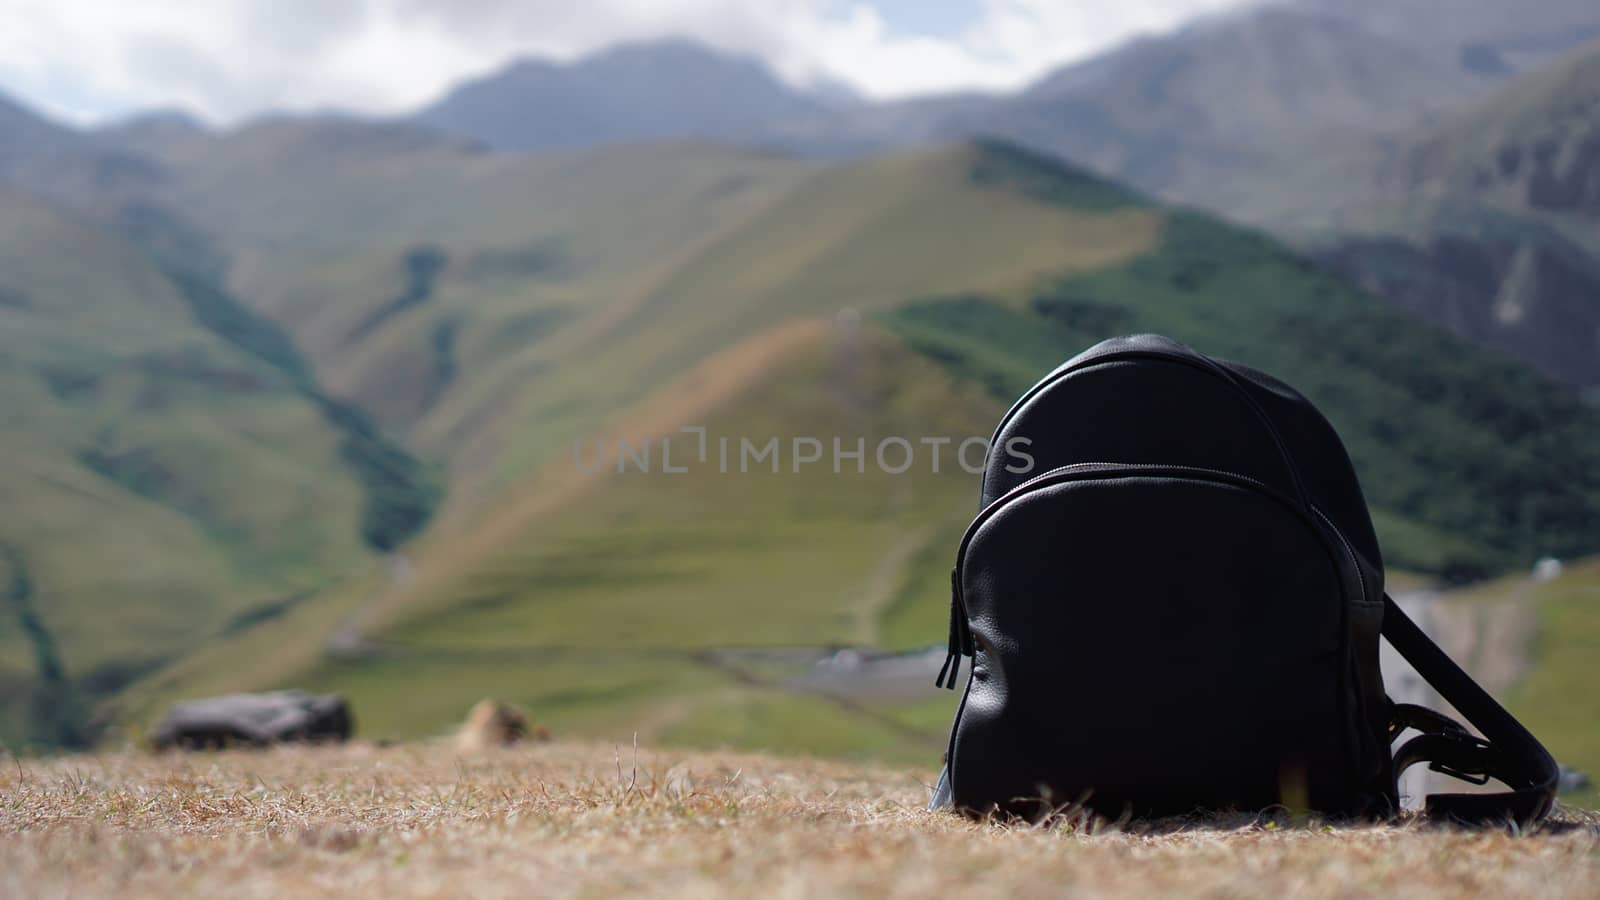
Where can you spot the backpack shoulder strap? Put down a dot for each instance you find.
(1507, 751)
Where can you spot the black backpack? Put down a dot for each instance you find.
(1172, 596)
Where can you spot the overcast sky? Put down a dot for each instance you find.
(87, 61)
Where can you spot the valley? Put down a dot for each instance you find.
(300, 397)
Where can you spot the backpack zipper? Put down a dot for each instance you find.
(960, 635)
(1193, 360)
(960, 639)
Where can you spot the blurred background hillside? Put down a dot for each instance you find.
(303, 308)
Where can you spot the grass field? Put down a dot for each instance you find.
(600, 820)
(1555, 697)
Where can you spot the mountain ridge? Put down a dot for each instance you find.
(664, 89)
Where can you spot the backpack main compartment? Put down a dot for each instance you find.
(1176, 608)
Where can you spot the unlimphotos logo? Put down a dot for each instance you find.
(742, 454)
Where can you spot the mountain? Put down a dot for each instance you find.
(152, 132)
(176, 472)
(62, 164)
(458, 333)
(1188, 115)
(508, 316)
(1532, 148)
(1225, 113)
(1494, 39)
(841, 132)
(1490, 223)
(26, 136)
(166, 480)
(1257, 114)
(665, 89)
(1233, 111)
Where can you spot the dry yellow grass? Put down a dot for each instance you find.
(568, 819)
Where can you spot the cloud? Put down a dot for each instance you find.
(87, 60)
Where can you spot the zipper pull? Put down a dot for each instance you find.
(959, 638)
(952, 665)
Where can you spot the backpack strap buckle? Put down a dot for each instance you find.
(1456, 752)
(1471, 762)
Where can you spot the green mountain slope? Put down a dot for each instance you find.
(1472, 462)
(496, 309)
(430, 284)
(160, 485)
